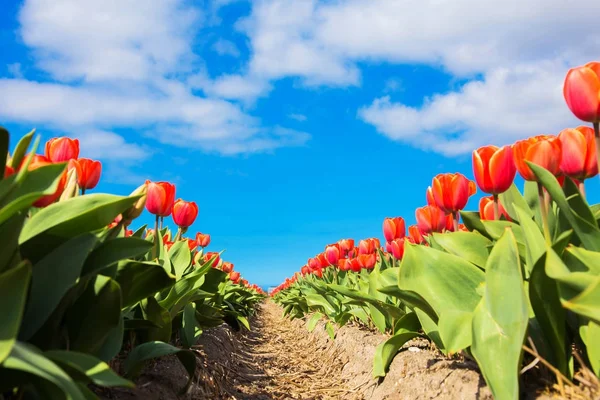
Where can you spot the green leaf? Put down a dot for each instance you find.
(113, 342)
(4, 136)
(534, 239)
(28, 359)
(39, 182)
(550, 315)
(381, 306)
(511, 199)
(385, 352)
(152, 311)
(138, 280)
(473, 222)
(590, 334)
(467, 245)
(412, 299)
(113, 251)
(94, 315)
(445, 281)
(147, 351)
(500, 320)
(13, 286)
(62, 267)
(21, 149)
(329, 329)
(580, 216)
(319, 301)
(9, 241)
(75, 216)
(180, 257)
(244, 321)
(188, 325)
(455, 330)
(85, 368)
(312, 322)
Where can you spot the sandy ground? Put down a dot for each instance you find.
(280, 359)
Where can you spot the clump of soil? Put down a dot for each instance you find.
(279, 359)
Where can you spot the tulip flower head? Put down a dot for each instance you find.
(414, 235)
(88, 172)
(578, 158)
(184, 213)
(397, 248)
(451, 192)
(368, 246)
(333, 254)
(62, 149)
(215, 257)
(582, 91)
(494, 168)
(346, 245)
(227, 267)
(542, 150)
(393, 228)
(202, 239)
(234, 276)
(486, 209)
(160, 198)
(51, 198)
(431, 219)
(367, 261)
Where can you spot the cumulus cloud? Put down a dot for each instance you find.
(506, 105)
(226, 48)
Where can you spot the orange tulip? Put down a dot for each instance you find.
(215, 257)
(393, 228)
(430, 219)
(332, 253)
(429, 197)
(486, 209)
(582, 91)
(227, 267)
(184, 213)
(452, 191)
(494, 168)
(343, 264)
(202, 239)
(161, 196)
(367, 261)
(305, 270)
(368, 246)
(234, 276)
(415, 235)
(62, 149)
(397, 248)
(542, 150)
(346, 245)
(88, 172)
(578, 153)
(353, 264)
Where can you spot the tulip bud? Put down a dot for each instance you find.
(430, 219)
(452, 191)
(234, 276)
(138, 207)
(578, 153)
(227, 267)
(542, 150)
(161, 196)
(582, 91)
(397, 248)
(415, 235)
(393, 228)
(367, 261)
(494, 168)
(332, 253)
(368, 246)
(486, 209)
(184, 213)
(62, 149)
(71, 188)
(88, 172)
(202, 239)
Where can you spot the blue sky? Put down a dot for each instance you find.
(291, 123)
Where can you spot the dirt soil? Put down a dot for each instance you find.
(280, 359)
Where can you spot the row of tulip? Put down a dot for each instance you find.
(80, 289)
(516, 283)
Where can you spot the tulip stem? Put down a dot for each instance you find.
(82, 191)
(178, 236)
(496, 208)
(161, 222)
(156, 244)
(544, 212)
(597, 135)
(456, 216)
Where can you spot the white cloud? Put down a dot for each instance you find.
(232, 87)
(105, 145)
(226, 48)
(15, 70)
(508, 104)
(127, 65)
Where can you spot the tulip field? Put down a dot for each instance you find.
(90, 298)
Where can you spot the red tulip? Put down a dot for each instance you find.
(212, 256)
(202, 239)
(305, 270)
(51, 198)
(169, 244)
(8, 171)
(227, 267)
(322, 260)
(367, 261)
(430, 219)
(486, 209)
(161, 196)
(314, 263)
(368, 246)
(452, 191)
(542, 150)
(88, 172)
(463, 228)
(234, 276)
(62, 149)
(397, 248)
(353, 264)
(346, 245)
(184, 213)
(415, 235)
(494, 168)
(191, 244)
(343, 264)
(429, 196)
(582, 91)
(128, 232)
(578, 159)
(393, 228)
(332, 253)
(449, 223)
(318, 272)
